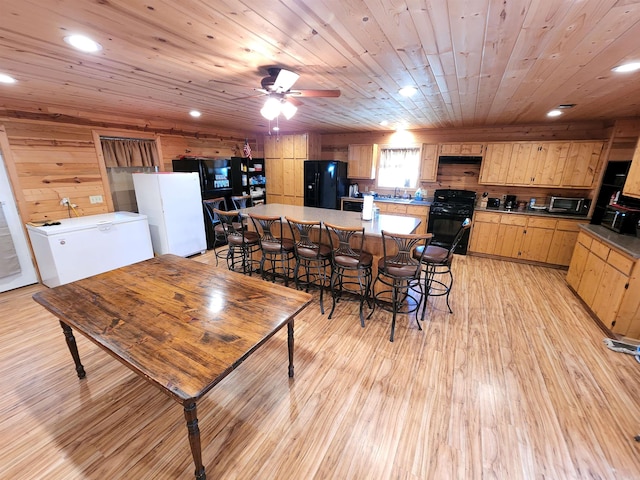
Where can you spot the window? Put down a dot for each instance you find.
(399, 167)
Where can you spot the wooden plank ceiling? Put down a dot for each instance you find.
(475, 62)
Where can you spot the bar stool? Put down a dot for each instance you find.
(349, 266)
(241, 201)
(238, 238)
(399, 273)
(274, 246)
(438, 278)
(219, 236)
(312, 257)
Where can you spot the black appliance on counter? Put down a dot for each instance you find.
(448, 210)
(325, 182)
(352, 205)
(621, 219)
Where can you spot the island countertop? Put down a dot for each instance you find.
(390, 223)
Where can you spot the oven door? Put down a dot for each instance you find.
(444, 228)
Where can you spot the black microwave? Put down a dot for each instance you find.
(621, 219)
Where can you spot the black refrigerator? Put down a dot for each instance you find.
(325, 182)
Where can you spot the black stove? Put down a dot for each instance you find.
(447, 212)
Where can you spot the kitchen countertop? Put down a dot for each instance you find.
(391, 223)
(627, 243)
(402, 201)
(538, 213)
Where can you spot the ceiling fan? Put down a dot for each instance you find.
(277, 86)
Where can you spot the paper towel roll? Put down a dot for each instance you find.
(367, 207)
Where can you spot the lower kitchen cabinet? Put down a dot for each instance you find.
(525, 237)
(419, 211)
(606, 279)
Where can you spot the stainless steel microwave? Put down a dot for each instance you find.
(620, 219)
(577, 206)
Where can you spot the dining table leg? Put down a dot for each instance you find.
(191, 415)
(290, 345)
(73, 348)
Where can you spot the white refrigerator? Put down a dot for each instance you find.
(172, 203)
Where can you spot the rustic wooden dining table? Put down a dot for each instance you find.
(179, 324)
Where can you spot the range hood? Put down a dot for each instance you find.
(459, 159)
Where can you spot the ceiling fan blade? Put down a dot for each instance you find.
(315, 93)
(284, 81)
(294, 101)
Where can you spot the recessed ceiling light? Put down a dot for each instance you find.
(554, 113)
(195, 113)
(83, 43)
(275, 129)
(6, 78)
(627, 67)
(384, 123)
(407, 91)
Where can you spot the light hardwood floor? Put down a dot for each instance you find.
(516, 383)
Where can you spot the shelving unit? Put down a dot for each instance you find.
(249, 178)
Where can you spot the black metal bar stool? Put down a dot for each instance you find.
(438, 278)
(220, 237)
(399, 273)
(275, 248)
(350, 266)
(239, 240)
(313, 258)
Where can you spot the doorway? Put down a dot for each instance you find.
(16, 265)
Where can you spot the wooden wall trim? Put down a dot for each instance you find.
(10, 165)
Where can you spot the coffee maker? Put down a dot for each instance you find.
(510, 202)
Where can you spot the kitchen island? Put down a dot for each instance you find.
(372, 229)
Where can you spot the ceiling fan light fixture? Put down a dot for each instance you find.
(288, 109)
(271, 108)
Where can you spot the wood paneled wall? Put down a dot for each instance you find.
(48, 161)
(335, 146)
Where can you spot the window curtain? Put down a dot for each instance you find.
(398, 167)
(129, 152)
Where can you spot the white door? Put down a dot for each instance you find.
(16, 265)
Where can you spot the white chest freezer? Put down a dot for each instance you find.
(84, 246)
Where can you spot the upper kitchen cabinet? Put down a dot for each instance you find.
(284, 165)
(632, 184)
(461, 148)
(428, 163)
(582, 164)
(495, 164)
(541, 164)
(363, 161)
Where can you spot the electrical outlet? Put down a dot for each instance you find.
(64, 201)
(95, 199)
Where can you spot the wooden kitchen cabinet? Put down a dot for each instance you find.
(564, 240)
(632, 184)
(461, 148)
(606, 279)
(525, 237)
(582, 164)
(484, 232)
(419, 211)
(284, 165)
(537, 239)
(541, 164)
(428, 163)
(363, 161)
(495, 164)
